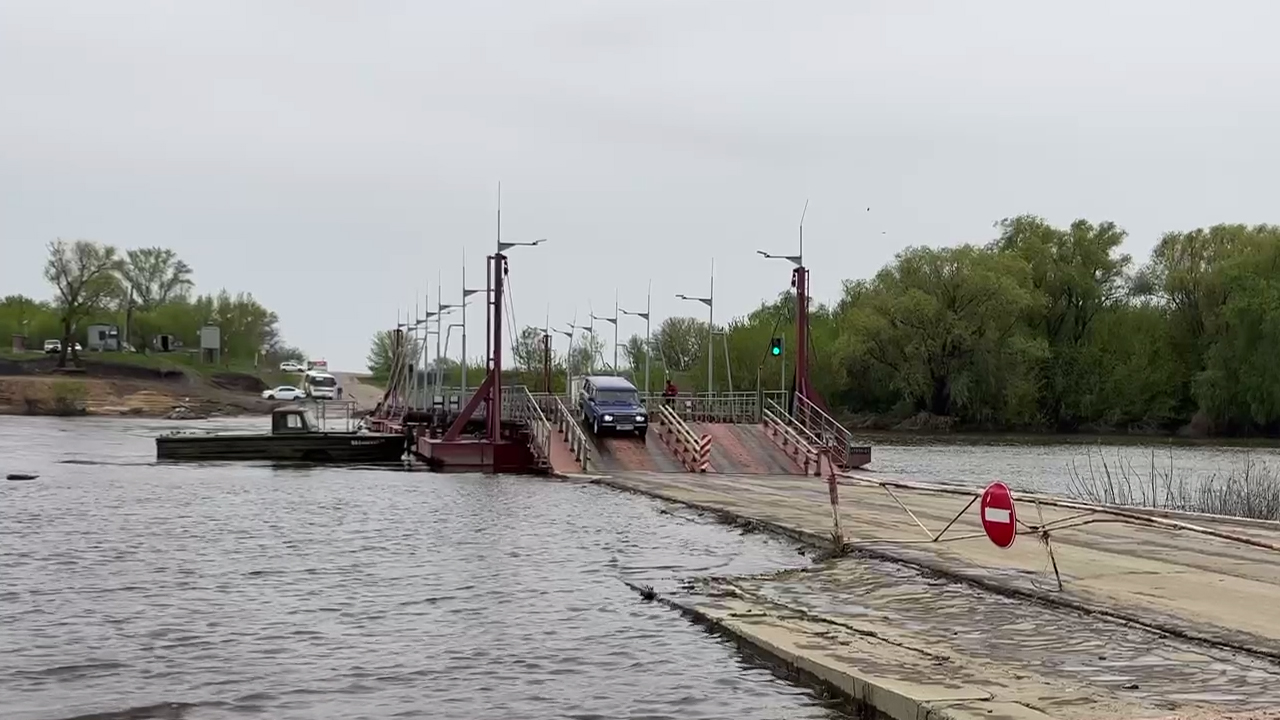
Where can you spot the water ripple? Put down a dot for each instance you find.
(140, 591)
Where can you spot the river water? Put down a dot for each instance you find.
(1047, 463)
(247, 591)
(229, 591)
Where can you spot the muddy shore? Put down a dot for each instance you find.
(105, 388)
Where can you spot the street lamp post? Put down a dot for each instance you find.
(466, 293)
(648, 349)
(710, 302)
(800, 281)
(425, 324)
(613, 320)
(494, 416)
(568, 368)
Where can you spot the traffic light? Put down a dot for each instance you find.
(775, 346)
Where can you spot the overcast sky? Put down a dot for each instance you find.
(333, 157)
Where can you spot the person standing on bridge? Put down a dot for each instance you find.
(669, 392)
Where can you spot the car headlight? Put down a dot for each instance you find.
(640, 418)
(608, 418)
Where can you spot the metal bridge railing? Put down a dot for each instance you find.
(564, 420)
(693, 450)
(520, 406)
(825, 431)
(573, 433)
(721, 408)
(791, 437)
(329, 414)
(726, 407)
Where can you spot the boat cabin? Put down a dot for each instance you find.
(292, 421)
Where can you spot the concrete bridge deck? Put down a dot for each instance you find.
(1150, 622)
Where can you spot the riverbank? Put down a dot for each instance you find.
(126, 385)
(965, 630)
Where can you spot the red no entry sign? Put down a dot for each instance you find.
(999, 520)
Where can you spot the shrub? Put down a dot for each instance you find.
(69, 398)
(1249, 490)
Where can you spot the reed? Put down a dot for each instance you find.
(1250, 489)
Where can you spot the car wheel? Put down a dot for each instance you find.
(642, 433)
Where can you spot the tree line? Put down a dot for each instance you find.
(146, 293)
(1041, 328)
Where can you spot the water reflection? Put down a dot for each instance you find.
(229, 591)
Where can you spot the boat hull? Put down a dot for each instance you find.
(308, 447)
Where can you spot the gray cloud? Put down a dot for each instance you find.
(334, 158)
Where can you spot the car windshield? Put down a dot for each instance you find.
(617, 397)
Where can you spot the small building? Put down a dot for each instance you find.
(103, 337)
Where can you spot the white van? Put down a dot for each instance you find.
(320, 385)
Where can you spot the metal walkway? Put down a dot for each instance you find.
(730, 433)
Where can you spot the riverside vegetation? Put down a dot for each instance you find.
(1042, 328)
(146, 292)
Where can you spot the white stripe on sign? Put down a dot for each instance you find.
(999, 515)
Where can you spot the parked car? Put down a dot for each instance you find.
(291, 367)
(611, 404)
(284, 392)
(53, 347)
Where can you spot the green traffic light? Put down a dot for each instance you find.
(777, 350)
(775, 346)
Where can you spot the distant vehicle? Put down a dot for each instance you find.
(611, 405)
(321, 365)
(291, 366)
(284, 392)
(53, 347)
(320, 385)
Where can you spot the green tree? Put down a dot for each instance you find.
(586, 353)
(527, 349)
(681, 342)
(152, 277)
(84, 276)
(383, 351)
(1078, 275)
(949, 326)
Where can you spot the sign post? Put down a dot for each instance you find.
(999, 519)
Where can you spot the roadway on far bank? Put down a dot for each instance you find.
(364, 395)
(880, 626)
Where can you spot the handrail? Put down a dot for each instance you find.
(559, 415)
(790, 440)
(828, 433)
(796, 426)
(521, 406)
(692, 450)
(573, 434)
(727, 408)
(774, 395)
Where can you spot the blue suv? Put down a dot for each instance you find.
(612, 405)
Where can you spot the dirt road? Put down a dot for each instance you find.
(365, 396)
